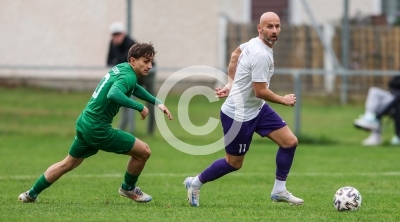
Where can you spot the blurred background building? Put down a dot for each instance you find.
(44, 41)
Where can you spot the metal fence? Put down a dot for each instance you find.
(372, 50)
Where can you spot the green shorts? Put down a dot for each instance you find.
(114, 141)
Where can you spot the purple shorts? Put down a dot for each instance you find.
(238, 135)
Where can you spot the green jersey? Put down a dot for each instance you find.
(100, 110)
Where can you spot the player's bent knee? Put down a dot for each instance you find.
(291, 142)
(236, 163)
(237, 166)
(294, 141)
(145, 152)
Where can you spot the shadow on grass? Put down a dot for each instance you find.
(302, 139)
(316, 139)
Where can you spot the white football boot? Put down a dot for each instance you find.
(25, 198)
(286, 196)
(395, 140)
(193, 194)
(367, 123)
(136, 194)
(373, 140)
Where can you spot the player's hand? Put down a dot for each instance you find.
(289, 100)
(223, 92)
(144, 113)
(165, 110)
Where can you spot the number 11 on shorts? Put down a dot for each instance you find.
(242, 148)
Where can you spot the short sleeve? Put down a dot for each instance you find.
(260, 67)
(243, 46)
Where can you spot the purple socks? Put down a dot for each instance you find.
(216, 170)
(284, 160)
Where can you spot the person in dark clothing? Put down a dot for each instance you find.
(381, 103)
(119, 45)
(117, 53)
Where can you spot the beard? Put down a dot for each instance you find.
(269, 41)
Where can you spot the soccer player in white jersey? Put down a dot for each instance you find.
(245, 112)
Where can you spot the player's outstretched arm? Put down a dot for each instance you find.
(261, 91)
(142, 94)
(117, 96)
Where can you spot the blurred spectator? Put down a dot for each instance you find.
(380, 103)
(119, 44)
(117, 53)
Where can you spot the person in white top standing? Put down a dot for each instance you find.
(245, 112)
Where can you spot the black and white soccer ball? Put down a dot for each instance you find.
(347, 199)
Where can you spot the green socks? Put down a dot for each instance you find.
(39, 186)
(129, 181)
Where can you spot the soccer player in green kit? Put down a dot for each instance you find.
(94, 131)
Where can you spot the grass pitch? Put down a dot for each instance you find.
(38, 126)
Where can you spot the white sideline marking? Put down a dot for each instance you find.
(368, 174)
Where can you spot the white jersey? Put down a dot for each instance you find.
(255, 64)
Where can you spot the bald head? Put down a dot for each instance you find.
(269, 28)
(269, 17)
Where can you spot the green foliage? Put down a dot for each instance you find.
(38, 126)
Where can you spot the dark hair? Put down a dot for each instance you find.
(141, 50)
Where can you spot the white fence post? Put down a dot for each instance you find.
(297, 107)
(329, 77)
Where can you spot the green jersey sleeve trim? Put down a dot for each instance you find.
(117, 96)
(142, 94)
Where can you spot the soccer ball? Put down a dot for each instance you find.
(347, 199)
